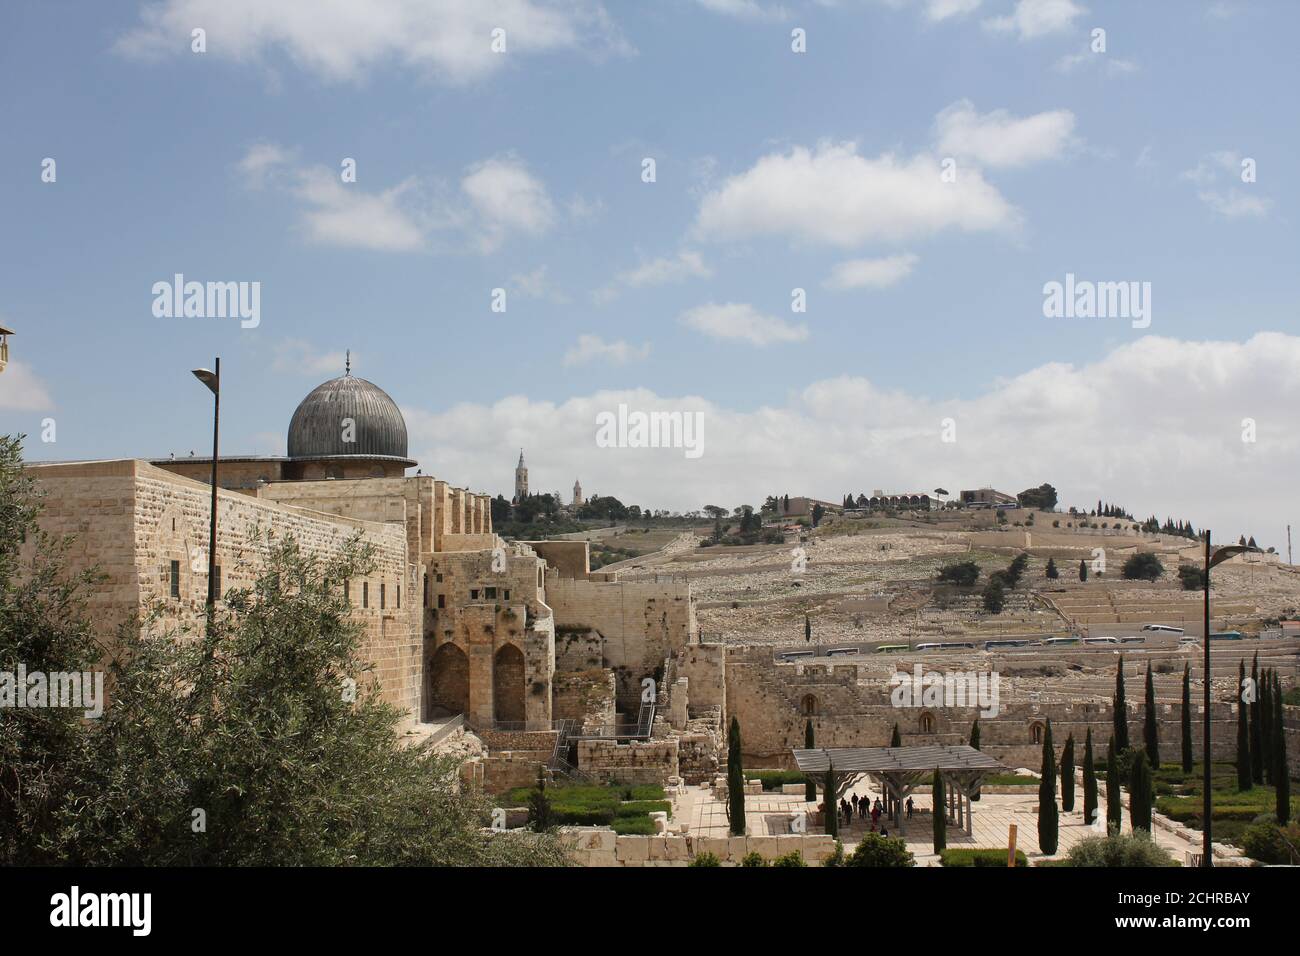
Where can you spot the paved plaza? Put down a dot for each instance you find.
(769, 813)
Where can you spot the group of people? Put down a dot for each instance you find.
(863, 808)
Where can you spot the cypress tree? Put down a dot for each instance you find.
(1067, 775)
(1051, 571)
(1114, 812)
(940, 813)
(1281, 771)
(809, 788)
(1256, 731)
(1139, 794)
(1083, 570)
(1151, 731)
(975, 734)
(1047, 813)
(1187, 718)
(1244, 781)
(832, 808)
(735, 781)
(1266, 724)
(1089, 781)
(1119, 710)
(807, 629)
(896, 740)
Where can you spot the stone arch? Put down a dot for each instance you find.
(808, 706)
(508, 683)
(925, 724)
(447, 682)
(1036, 731)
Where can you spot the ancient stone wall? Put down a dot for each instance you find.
(584, 696)
(635, 762)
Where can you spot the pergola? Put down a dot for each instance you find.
(900, 770)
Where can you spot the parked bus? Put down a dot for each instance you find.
(1132, 640)
(890, 648)
(1162, 628)
(1226, 635)
(994, 645)
(1101, 640)
(1060, 641)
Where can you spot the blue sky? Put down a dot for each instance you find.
(775, 170)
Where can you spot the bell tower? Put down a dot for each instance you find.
(521, 479)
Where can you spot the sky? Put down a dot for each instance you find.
(824, 229)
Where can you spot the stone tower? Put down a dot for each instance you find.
(577, 494)
(521, 479)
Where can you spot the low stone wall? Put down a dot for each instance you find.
(594, 846)
(697, 757)
(650, 761)
(532, 740)
(505, 771)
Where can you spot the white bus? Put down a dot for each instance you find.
(1162, 628)
(1101, 640)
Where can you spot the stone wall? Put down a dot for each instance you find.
(650, 761)
(592, 846)
(584, 696)
(642, 622)
(134, 520)
(703, 666)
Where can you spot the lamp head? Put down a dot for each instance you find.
(208, 378)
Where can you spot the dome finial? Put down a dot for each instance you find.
(347, 364)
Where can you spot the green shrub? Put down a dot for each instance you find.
(836, 858)
(1268, 843)
(636, 808)
(1119, 850)
(753, 858)
(877, 850)
(706, 859)
(793, 858)
(965, 856)
(775, 779)
(637, 826)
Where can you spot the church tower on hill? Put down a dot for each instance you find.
(521, 480)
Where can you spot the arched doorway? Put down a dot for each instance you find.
(508, 683)
(447, 682)
(808, 706)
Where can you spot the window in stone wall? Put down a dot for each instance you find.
(383, 595)
(426, 589)
(473, 594)
(1036, 733)
(399, 597)
(490, 593)
(808, 706)
(365, 594)
(176, 579)
(927, 723)
(438, 578)
(442, 600)
(507, 595)
(347, 591)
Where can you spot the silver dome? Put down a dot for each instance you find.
(318, 424)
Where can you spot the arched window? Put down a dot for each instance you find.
(1036, 733)
(927, 723)
(808, 706)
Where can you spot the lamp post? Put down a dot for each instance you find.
(212, 379)
(1212, 557)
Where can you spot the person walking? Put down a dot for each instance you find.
(909, 808)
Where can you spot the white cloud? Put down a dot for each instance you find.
(1106, 429)
(508, 199)
(301, 357)
(1035, 18)
(745, 9)
(21, 390)
(998, 139)
(662, 270)
(936, 10)
(592, 348)
(498, 199)
(832, 195)
(1113, 65)
(1234, 202)
(872, 273)
(341, 40)
(536, 285)
(740, 322)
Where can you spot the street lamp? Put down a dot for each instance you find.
(1212, 558)
(213, 381)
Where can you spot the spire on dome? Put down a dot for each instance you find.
(347, 364)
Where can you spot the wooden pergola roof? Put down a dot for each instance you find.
(894, 759)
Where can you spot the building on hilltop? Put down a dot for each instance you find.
(577, 495)
(988, 498)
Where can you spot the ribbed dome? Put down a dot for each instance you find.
(317, 427)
